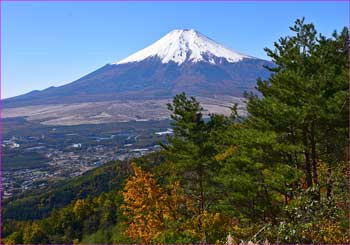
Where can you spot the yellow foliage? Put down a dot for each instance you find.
(242, 234)
(149, 207)
(226, 154)
(209, 225)
(328, 231)
(9, 240)
(81, 208)
(33, 234)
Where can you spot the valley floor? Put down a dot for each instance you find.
(114, 111)
(35, 155)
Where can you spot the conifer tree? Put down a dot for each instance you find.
(304, 99)
(190, 152)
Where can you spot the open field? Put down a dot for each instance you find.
(114, 111)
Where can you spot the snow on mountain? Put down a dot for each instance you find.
(181, 61)
(185, 45)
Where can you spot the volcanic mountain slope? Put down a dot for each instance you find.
(182, 60)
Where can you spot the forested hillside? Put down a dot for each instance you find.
(36, 204)
(276, 176)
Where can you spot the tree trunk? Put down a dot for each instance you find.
(201, 192)
(307, 159)
(314, 160)
(201, 204)
(329, 183)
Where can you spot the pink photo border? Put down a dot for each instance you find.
(217, 1)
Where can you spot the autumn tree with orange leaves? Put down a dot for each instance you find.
(153, 212)
(166, 215)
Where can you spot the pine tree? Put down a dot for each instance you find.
(190, 154)
(303, 104)
(304, 99)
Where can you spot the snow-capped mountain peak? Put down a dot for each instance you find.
(182, 45)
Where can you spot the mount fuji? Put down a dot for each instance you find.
(182, 60)
(187, 45)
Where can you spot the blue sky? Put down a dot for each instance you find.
(53, 43)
